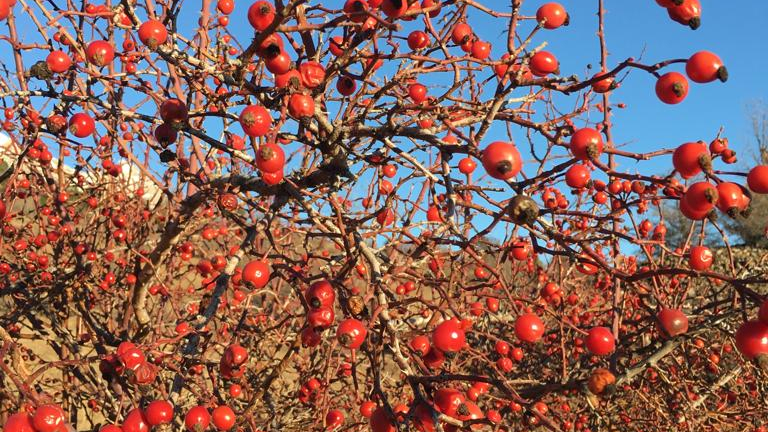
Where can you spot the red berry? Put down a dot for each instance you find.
(197, 419)
(704, 67)
(502, 160)
(529, 328)
(261, 14)
(600, 341)
(448, 336)
(81, 125)
(700, 258)
(223, 418)
(351, 333)
(586, 144)
(19, 422)
(552, 15)
(159, 412)
(672, 88)
(58, 61)
(100, 53)
(256, 273)
(255, 120)
(757, 179)
(752, 339)
(153, 33)
(690, 158)
(673, 322)
(320, 293)
(49, 418)
(544, 63)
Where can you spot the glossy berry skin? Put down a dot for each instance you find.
(288, 79)
(461, 33)
(310, 338)
(58, 61)
(320, 294)
(690, 158)
(673, 322)
(272, 179)
(19, 422)
(235, 355)
(529, 328)
(433, 214)
(672, 88)
(49, 418)
(135, 421)
(688, 12)
(279, 64)
(159, 412)
(223, 418)
(752, 339)
(261, 14)
(351, 333)
(225, 6)
(600, 341)
(367, 408)
(502, 160)
(757, 179)
(197, 419)
(586, 144)
(100, 53)
(731, 198)
(334, 419)
(701, 196)
(471, 412)
(552, 15)
(603, 85)
(704, 67)
(691, 213)
(153, 33)
(700, 258)
(420, 344)
(467, 165)
(321, 318)
(449, 400)
(505, 364)
(418, 40)
(577, 176)
(256, 273)
(417, 92)
(544, 63)
(270, 158)
(255, 120)
(301, 106)
(81, 125)
(481, 50)
(448, 336)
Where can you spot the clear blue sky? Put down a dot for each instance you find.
(635, 28)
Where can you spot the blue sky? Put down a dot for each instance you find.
(641, 28)
(634, 28)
